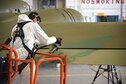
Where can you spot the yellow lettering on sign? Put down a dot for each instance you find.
(100, 14)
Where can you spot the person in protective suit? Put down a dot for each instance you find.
(32, 32)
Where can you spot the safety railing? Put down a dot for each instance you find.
(33, 77)
(13, 70)
(63, 65)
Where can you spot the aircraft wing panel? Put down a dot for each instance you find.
(89, 35)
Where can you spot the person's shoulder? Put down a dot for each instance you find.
(33, 23)
(30, 22)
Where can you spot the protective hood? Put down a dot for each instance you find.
(23, 18)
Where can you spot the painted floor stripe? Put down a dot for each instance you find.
(73, 75)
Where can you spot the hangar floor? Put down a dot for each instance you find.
(77, 74)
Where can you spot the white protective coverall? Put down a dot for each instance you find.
(32, 32)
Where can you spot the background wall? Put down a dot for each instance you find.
(91, 8)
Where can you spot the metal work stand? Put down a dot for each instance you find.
(112, 74)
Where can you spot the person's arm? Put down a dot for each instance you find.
(42, 37)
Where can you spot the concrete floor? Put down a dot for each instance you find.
(77, 74)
